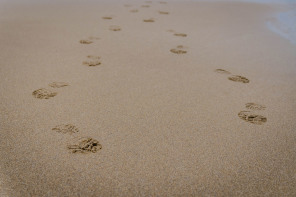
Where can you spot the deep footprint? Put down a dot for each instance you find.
(252, 118)
(91, 63)
(114, 28)
(58, 84)
(85, 145)
(85, 41)
(180, 34)
(134, 11)
(222, 71)
(254, 106)
(150, 20)
(107, 17)
(178, 50)
(43, 93)
(66, 128)
(162, 12)
(238, 78)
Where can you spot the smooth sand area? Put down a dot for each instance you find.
(117, 98)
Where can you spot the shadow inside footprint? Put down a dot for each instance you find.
(92, 63)
(179, 50)
(114, 28)
(66, 128)
(252, 118)
(134, 11)
(85, 41)
(58, 84)
(107, 17)
(43, 93)
(254, 106)
(180, 34)
(238, 78)
(150, 20)
(222, 71)
(162, 12)
(85, 145)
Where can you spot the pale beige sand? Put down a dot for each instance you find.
(168, 123)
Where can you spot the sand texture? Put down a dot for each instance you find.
(145, 98)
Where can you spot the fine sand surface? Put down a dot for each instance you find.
(122, 98)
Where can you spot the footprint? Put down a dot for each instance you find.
(114, 28)
(162, 2)
(178, 50)
(162, 12)
(170, 30)
(180, 34)
(127, 5)
(107, 17)
(43, 93)
(86, 41)
(85, 145)
(148, 1)
(254, 106)
(93, 57)
(134, 11)
(66, 128)
(222, 71)
(252, 118)
(150, 20)
(238, 78)
(58, 84)
(145, 6)
(92, 63)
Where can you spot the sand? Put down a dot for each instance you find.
(110, 98)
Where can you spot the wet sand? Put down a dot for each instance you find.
(124, 99)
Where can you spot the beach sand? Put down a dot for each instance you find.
(141, 81)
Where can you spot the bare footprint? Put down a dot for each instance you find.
(93, 57)
(254, 106)
(238, 78)
(86, 41)
(252, 118)
(91, 63)
(114, 28)
(162, 12)
(85, 145)
(43, 93)
(222, 71)
(180, 34)
(66, 128)
(145, 6)
(179, 50)
(107, 17)
(134, 10)
(150, 20)
(58, 84)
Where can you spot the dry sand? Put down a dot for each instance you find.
(167, 122)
